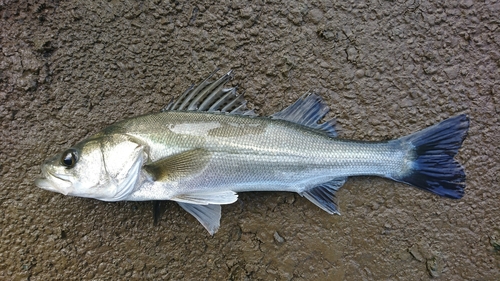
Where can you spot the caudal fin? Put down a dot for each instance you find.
(433, 168)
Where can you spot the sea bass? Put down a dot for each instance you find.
(203, 149)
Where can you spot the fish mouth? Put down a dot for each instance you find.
(53, 182)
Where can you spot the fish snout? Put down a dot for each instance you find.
(51, 181)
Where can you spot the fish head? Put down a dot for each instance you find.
(102, 168)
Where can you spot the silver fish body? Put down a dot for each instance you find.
(205, 148)
(241, 153)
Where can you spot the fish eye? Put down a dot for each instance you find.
(69, 158)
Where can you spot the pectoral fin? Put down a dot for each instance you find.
(323, 195)
(207, 215)
(178, 165)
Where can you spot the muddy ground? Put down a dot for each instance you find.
(387, 68)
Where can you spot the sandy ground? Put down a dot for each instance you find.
(387, 68)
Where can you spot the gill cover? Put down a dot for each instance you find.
(122, 159)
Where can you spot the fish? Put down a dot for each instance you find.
(204, 148)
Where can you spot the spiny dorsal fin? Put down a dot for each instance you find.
(212, 97)
(308, 111)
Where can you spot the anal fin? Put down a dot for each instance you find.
(323, 195)
(207, 215)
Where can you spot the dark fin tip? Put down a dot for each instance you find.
(434, 168)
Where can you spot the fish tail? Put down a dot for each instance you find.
(432, 150)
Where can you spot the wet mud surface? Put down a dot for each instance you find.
(387, 68)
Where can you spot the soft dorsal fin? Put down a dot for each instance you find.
(211, 97)
(323, 195)
(308, 111)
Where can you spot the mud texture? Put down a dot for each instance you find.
(387, 68)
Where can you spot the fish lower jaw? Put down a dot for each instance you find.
(49, 185)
